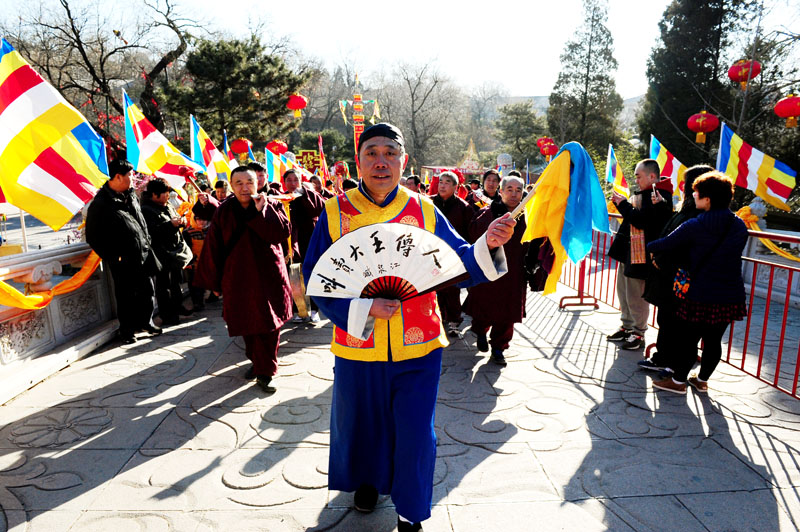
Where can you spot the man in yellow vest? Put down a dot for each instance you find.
(388, 353)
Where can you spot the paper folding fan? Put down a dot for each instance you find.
(388, 260)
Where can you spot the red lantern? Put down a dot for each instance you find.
(297, 102)
(549, 149)
(741, 71)
(544, 140)
(278, 147)
(702, 123)
(241, 145)
(789, 108)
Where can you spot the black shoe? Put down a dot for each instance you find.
(365, 499)
(498, 358)
(633, 342)
(403, 526)
(621, 334)
(213, 298)
(263, 382)
(170, 321)
(127, 339)
(250, 374)
(483, 343)
(648, 364)
(183, 311)
(152, 329)
(664, 373)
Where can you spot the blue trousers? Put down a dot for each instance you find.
(382, 430)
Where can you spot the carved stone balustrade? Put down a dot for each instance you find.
(34, 344)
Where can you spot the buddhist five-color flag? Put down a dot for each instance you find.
(51, 160)
(670, 166)
(206, 154)
(771, 180)
(326, 174)
(150, 152)
(232, 161)
(275, 166)
(614, 173)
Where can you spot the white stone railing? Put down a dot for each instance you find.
(37, 268)
(36, 343)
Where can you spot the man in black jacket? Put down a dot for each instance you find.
(116, 231)
(643, 218)
(164, 226)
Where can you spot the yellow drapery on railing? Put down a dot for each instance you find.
(750, 220)
(11, 297)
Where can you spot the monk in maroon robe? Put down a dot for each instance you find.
(459, 214)
(304, 212)
(242, 258)
(499, 304)
(478, 199)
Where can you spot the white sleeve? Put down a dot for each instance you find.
(359, 322)
(492, 267)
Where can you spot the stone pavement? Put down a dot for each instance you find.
(167, 435)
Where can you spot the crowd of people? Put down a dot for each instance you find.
(239, 242)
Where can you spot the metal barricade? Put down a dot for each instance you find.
(772, 308)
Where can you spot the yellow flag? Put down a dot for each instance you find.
(544, 215)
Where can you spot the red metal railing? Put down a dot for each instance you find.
(766, 326)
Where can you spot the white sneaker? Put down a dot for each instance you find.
(297, 319)
(314, 316)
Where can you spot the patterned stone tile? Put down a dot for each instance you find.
(103, 521)
(219, 479)
(481, 475)
(772, 451)
(84, 427)
(383, 519)
(38, 521)
(209, 427)
(654, 513)
(740, 510)
(535, 515)
(635, 467)
(71, 479)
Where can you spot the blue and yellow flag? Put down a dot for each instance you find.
(569, 204)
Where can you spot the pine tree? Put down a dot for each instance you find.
(518, 128)
(687, 73)
(584, 104)
(236, 85)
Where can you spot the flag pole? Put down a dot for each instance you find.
(521, 207)
(527, 171)
(24, 232)
(191, 139)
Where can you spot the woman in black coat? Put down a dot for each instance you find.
(712, 245)
(658, 286)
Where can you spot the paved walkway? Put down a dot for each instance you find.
(166, 435)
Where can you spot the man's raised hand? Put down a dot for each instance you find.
(500, 231)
